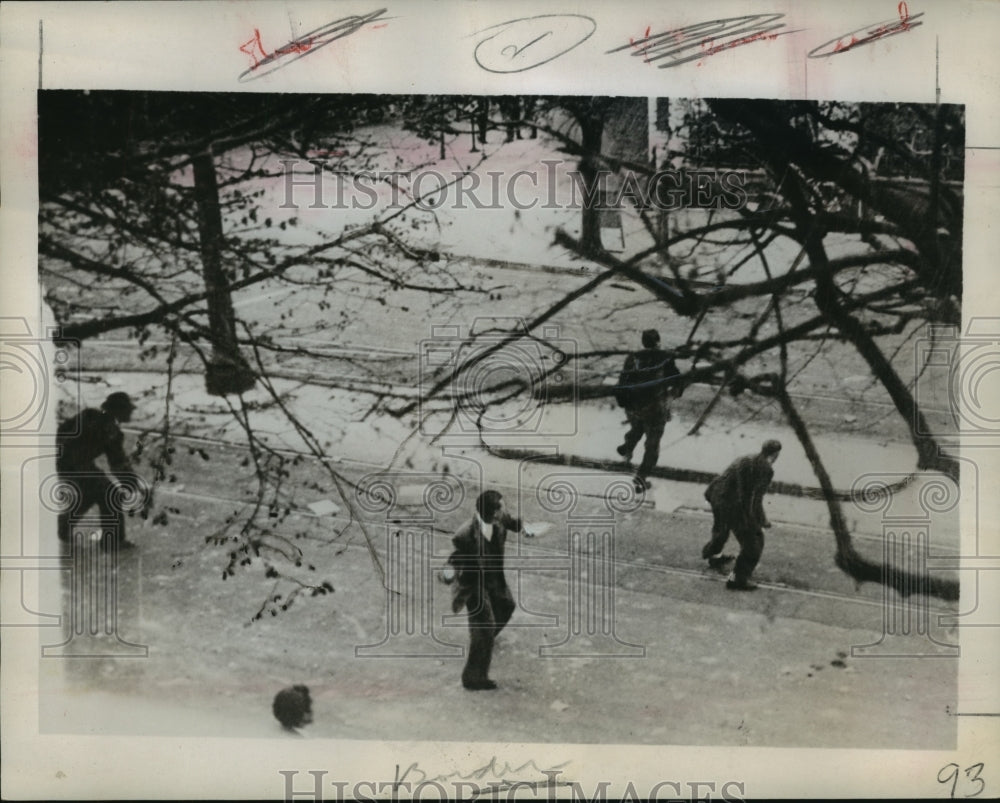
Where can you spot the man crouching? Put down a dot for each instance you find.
(737, 500)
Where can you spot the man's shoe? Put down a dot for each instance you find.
(479, 685)
(719, 561)
(641, 484)
(625, 452)
(740, 585)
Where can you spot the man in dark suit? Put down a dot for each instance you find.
(81, 440)
(644, 392)
(737, 500)
(481, 586)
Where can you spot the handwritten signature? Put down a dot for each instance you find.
(265, 63)
(870, 33)
(704, 38)
(521, 44)
(503, 775)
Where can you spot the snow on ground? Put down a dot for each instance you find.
(339, 423)
(764, 688)
(504, 203)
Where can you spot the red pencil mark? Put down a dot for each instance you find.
(841, 46)
(869, 33)
(694, 42)
(255, 46)
(885, 29)
(711, 50)
(645, 37)
(302, 46)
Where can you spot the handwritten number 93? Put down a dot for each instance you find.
(949, 773)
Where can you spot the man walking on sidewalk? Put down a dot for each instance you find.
(644, 391)
(81, 440)
(737, 500)
(481, 586)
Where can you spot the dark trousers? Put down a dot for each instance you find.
(751, 548)
(721, 526)
(92, 487)
(485, 623)
(750, 538)
(649, 421)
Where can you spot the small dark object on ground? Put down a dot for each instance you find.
(293, 707)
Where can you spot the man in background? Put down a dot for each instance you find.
(644, 392)
(81, 440)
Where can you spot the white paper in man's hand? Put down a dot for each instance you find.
(538, 528)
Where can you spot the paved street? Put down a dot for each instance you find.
(622, 635)
(693, 663)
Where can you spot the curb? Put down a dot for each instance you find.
(687, 474)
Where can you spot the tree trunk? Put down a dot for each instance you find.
(827, 301)
(591, 135)
(775, 150)
(858, 567)
(227, 371)
(663, 162)
(929, 455)
(482, 117)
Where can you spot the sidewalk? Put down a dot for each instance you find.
(852, 462)
(592, 430)
(716, 668)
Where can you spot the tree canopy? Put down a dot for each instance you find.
(154, 211)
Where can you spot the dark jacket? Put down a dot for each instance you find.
(478, 562)
(739, 491)
(85, 437)
(644, 378)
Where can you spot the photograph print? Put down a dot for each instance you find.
(506, 418)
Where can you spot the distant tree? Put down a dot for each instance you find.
(132, 238)
(826, 169)
(150, 218)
